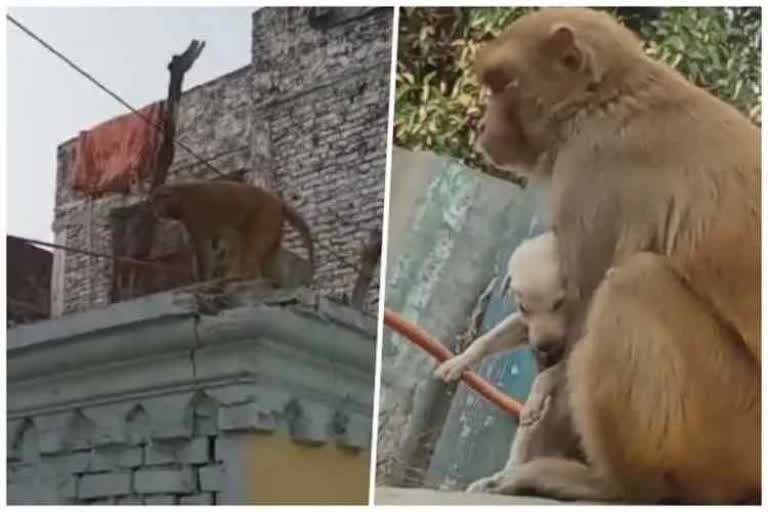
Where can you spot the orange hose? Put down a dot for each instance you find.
(437, 350)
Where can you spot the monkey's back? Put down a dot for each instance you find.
(213, 205)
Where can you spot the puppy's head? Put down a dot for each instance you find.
(544, 64)
(537, 285)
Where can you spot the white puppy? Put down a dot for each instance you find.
(534, 281)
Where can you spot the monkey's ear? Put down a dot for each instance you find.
(574, 55)
(562, 41)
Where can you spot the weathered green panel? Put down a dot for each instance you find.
(459, 239)
(477, 435)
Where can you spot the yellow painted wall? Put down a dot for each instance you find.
(283, 472)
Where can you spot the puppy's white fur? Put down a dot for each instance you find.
(535, 282)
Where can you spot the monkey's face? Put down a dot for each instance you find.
(534, 70)
(165, 203)
(502, 140)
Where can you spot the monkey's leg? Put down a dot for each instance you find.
(264, 234)
(535, 410)
(234, 242)
(204, 257)
(665, 398)
(545, 428)
(507, 334)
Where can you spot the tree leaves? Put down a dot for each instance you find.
(438, 101)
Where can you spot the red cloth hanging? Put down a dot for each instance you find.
(118, 152)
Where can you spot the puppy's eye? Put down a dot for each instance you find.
(522, 309)
(558, 304)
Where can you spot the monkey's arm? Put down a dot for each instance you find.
(507, 334)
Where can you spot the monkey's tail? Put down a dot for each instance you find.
(295, 219)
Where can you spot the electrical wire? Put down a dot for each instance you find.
(107, 90)
(149, 122)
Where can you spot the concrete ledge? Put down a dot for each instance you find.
(131, 400)
(405, 496)
(176, 339)
(125, 330)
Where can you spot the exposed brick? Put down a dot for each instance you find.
(312, 424)
(76, 462)
(20, 471)
(67, 488)
(250, 416)
(105, 459)
(150, 481)
(205, 498)
(316, 133)
(102, 501)
(103, 485)
(210, 478)
(160, 499)
(17, 494)
(129, 500)
(185, 452)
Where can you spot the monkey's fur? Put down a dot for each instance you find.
(660, 180)
(247, 216)
(535, 282)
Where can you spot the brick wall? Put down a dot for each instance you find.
(307, 119)
(321, 95)
(167, 400)
(213, 122)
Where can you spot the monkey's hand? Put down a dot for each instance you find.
(452, 369)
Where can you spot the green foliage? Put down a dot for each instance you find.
(438, 99)
(716, 48)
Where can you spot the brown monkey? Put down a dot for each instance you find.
(247, 216)
(660, 180)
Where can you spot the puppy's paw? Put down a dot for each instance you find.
(451, 369)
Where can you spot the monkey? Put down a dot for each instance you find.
(248, 218)
(535, 282)
(658, 181)
(545, 429)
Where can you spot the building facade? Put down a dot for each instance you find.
(307, 119)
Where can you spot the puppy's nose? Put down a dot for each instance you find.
(547, 351)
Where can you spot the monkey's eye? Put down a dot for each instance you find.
(558, 304)
(498, 80)
(522, 308)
